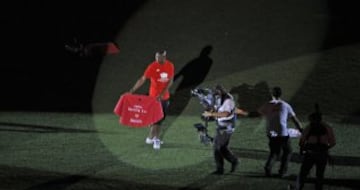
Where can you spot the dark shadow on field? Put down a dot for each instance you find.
(334, 81)
(181, 145)
(310, 181)
(353, 118)
(33, 179)
(349, 183)
(60, 183)
(18, 178)
(27, 128)
(207, 181)
(343, 20)
(251, 97)
(39, 74)
(296, 157)
(191, 76)
(262, 175)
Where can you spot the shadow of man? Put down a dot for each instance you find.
(251, 97)
(191, 75)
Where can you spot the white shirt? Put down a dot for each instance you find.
(277, 113)
(227, 106)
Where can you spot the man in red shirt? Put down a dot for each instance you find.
(160, 73)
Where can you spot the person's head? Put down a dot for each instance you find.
(316, 117)
(205, 52)
(220, 90)
(222, 93)
(276, 92)
(160, 56)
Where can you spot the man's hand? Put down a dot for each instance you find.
(301, 129)
(207, 114)
(158, 98)
(239, 111)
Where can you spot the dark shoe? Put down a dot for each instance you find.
(234, 165)
(267, 172)
(218, 172)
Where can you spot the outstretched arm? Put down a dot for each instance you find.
(138, 84)
(297, 123)
(216, 114)
(239, 111)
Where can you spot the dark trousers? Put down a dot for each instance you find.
(319, 159)
(221, 149)
(165, 107)
(279, 145)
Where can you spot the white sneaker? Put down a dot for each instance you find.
(156, 144)
(149, 141)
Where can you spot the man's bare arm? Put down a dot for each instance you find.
(166, 88)
(138, 84)
(297, 123)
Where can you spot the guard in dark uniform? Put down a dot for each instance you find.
(316, 140)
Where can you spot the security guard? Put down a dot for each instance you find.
(317, 138)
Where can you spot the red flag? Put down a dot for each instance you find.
(137, 110)
(112, 48)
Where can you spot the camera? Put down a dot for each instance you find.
(210, 101)
(207, 99)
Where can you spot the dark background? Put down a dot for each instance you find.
(37, 74)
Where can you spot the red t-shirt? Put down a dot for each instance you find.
(138, 110)
(160, 75)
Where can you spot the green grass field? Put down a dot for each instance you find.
(80, 151)
(256, 45)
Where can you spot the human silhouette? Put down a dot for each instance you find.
(251, 97)
(191, 76)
